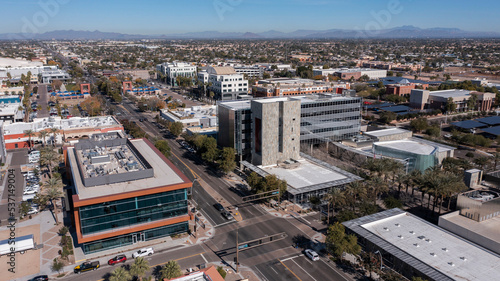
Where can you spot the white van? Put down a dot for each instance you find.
(34, 153)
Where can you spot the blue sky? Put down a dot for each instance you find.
(179, 16)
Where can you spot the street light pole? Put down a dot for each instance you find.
(237, 250)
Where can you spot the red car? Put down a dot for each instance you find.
(117, 259)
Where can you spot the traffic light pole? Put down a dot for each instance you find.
(237, 250)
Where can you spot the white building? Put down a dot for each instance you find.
(57, 74)
(250, 71)
(176, 69)
(196, 116)
(16, 68)
(226, 83)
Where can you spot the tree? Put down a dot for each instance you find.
(163, 147)
(43, 135)
(209, 151)
(54, 132)
(419, 124)
(334, 198)
(57, 265)
(92, 105)
(227, 163)
(253, 180)
(24, 208)
(29, 134)
(387, 117)
(48, 157)
(53, 193)
(171, 270)
(222, 272)
(450, 106)
(391, 202)
(120, 274)
(338, 242)
(139, 268)
(176, 128)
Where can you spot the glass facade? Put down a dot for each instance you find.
(132, 238)
(416, 161)
(131, 211)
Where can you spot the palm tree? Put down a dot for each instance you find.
(43, 135)
(334, 197)
(54, 132)
(139, 267)
(120, 274)
(378, 186)
(481, 162)
(48, 157)
(29, 133)
(170, 270)
(53, 194)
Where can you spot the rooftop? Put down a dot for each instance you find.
(16, 63)
(40, 124)
(162, 173)
(454, 93)
(435, 252)
(468, 124)
(386, 132)
(221, 70)
(415, 145)
(492, 120)
(311, 174)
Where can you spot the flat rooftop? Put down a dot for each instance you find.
(454, 93)
(488, 228)
(386, 132)
(416, 145)
(163, 175)
(311, 174)
(434, 251)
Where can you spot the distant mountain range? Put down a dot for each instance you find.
(407, 31)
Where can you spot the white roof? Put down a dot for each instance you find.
(386, 132)
(16, 63)
(455, 257)
(406, 145)
(455, 93)
(306, 174)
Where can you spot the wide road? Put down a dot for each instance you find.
(43, 101)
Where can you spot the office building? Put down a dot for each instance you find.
(414, 247)
(275, 150)
(324, 117)
(424, 99)
(250, 71)
(125, 192)
(48, 76)
(16, 68)
(356, 73)
(195, 116)
(176, 69)
(226, 83)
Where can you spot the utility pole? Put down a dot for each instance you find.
(237, 249)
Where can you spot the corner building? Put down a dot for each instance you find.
(124, 192)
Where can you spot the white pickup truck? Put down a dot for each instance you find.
(143, 252)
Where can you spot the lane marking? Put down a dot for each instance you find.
(204, 258)
(290, 270)
(304, 270)
(328, 264)
(291, 258)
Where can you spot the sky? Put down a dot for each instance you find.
(155, 17)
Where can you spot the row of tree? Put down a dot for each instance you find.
(206, 148)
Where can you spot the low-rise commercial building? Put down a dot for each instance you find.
(9, 109)
(356, 73)
(125, 192)
(196, 116)
(52, 75)
(14, 134)
(416, 248)
(281, 87)
(422, 99)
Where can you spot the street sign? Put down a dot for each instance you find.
(242, 246)
(276, 192)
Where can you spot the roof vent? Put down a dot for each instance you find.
(416, 245)
(444, 249)
(412, 232)
(398, 225)
(428, 240)
(421, 237)
(400, 236)
(463, 258)
(451, 263)
(433, 254)
(386, 229)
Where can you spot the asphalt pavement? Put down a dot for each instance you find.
(43, 101)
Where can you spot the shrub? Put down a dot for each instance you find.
(222, 272)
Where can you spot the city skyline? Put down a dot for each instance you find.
(158, 18)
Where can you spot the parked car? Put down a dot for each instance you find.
(312, 255)
(143, 252)
(86, 266)
(40, 278)
(30, 191)
(117, 259)
(33, 211)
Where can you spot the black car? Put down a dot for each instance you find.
(40, 278)
(219, 207)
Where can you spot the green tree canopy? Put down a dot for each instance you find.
(338, 242)
(171, 270)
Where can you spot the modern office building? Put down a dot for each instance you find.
(275, 130)
(414, 247)
(125, 192)
(422, 99)
(324, 117)
(195, 116)
(176, 69)
(225, 82)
